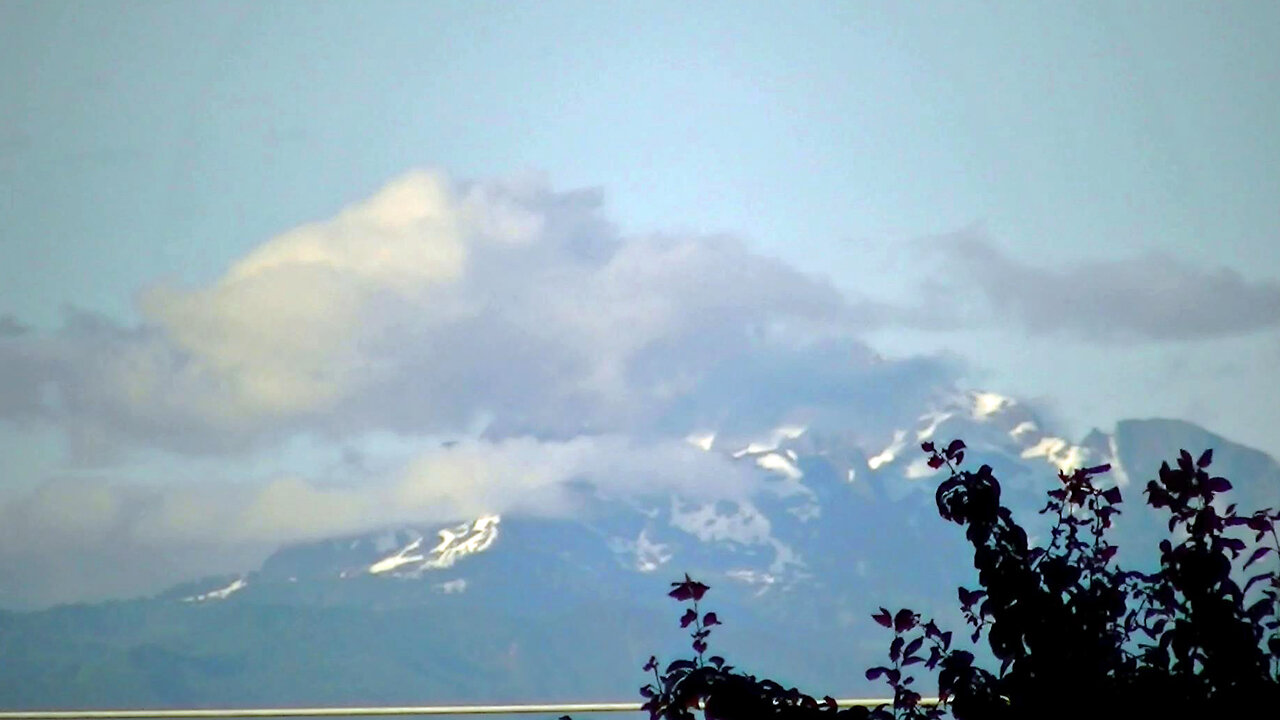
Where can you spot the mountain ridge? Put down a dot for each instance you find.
(555, 608)
(811, 472)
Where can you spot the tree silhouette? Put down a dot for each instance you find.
(1075, 635)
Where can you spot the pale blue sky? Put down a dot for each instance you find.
(149, 138)
(150, 142)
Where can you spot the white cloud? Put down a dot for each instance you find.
(502, 312)
(58, 538)
(428, 306)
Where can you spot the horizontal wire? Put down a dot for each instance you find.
(177, 713)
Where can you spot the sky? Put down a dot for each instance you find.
(258, 260)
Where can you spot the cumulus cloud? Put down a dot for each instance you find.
(519, 318)
(433, 304)
(1149, 297)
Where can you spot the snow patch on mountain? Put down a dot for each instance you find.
(465, 539)
(220, 594)
(455, 543)
(1022, 428)
(723, 521)
(934, 419)
(405, 556)
(780, 464)
(738, 523)
(1064, 455)
(919, 468)
(987, 420)
(645, 554)
(890, 453)
(776, 438)
(986, 404)
(702, 441)
(453, 587)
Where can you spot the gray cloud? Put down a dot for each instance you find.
(1150, 297)
(502, 312)
(435, 305)
(73, 538)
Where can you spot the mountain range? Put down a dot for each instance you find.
(512, 609)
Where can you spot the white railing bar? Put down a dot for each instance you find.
(562, 708)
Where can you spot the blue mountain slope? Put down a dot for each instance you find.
(521, 608)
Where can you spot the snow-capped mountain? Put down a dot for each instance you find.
(568, 607)
(398, 552)
(830, 520)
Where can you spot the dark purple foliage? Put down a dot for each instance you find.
(1075, 635)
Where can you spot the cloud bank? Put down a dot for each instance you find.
(78, 536)
(425, 307)
(502, 311)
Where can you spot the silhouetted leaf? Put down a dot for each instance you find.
(680, 665)
(1046, 609)
(1260, 609)
(710, 619)
(904, 620)
(1235, 545)
(1184, 460)
(1259, 523)
(1205, 458)
(689, 616)
(969, 597)
(1255, 580)
(913, 646)
(927, 446)
(1217, 484)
